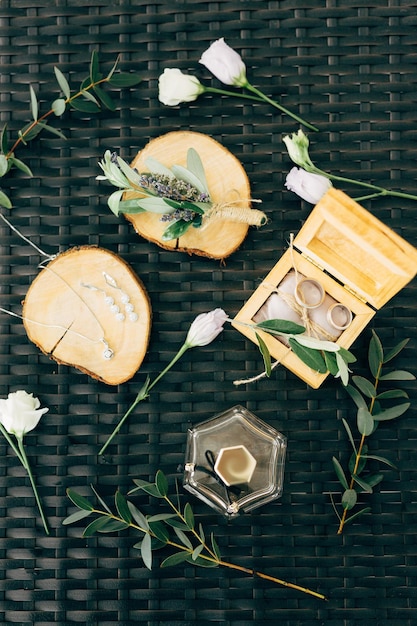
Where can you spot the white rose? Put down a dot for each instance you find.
(20, 413)
(176, 87)
(310, 187)
(225, 63)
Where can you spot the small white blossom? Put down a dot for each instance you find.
(176, 87)
(205, 328)
(20, 413)
(310, 187)
(225, 63)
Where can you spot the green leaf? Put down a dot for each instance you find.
(365, 386)
(102, 502)
(281, 327)
(202, 562)
(374, 479)
(5, 201)
(75, 517)
(137, 516)
(175, 559)
(175, 230)
(146, 551)
(189, 516)
(331, 363)
(381, 459)
(317, 344)
(215, 546)
(347, 356)
(161, 483)
(79, 501)
(312, 358)
(395, 350)
(181, 173)
(355, 515)
(359, 464)
(50, 129)
(104, 98)
(195, 165)
(391, 413)
(94, 67)
(349, 499)
(4, 144)
(365, 422)
(4, 166)
(62, 82)
(20, 165)
(113, 526)
(201, 533)
(362, 483)
(95, 526)
(59, 106)
(183, 538)
(29, 132)
(356, 397)
(155, 205)
(84, 106)
(113, 201)
(392, 393)
(156, 167)
(149, 488)
(33, 103)
(176, 523)
(398, 375)
(122, 507)
(130, 207)
(123, 79)
(161, 517)
(375, 355)
(343, 369)
(197, 552)
(159, 530)
(265, 354)
(349, 433)
(340, 473)
(89, 96)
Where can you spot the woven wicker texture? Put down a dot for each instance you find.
(351, 69)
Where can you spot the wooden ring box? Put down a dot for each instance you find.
(359, 260)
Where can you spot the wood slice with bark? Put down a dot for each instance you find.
(68, 315)
(227, 183)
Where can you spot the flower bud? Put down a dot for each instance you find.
(310, 187)
(205, 328)
(225, 63)
(297, 146)
(20, 413)
(176, 87)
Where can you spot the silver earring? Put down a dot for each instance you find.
(124, 297)
(114, 308)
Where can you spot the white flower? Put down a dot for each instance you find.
(310, 187)
(205, 328)
(20, 413)
(225, 63)
(297, 146)
(176, 87)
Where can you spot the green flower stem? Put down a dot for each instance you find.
(260, 97)
(26, 465)
(144, 393)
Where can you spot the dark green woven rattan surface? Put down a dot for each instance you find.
(351, 69)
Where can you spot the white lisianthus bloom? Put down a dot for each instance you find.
(225, 63)
(205, 328)
(20, 413)
(176, 87)
(310, 187)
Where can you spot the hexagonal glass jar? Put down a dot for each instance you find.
(235, 428)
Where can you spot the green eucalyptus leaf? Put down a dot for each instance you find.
(113, 526)
(89, 96)
(350, 519)
(381, 459)
(176, 523)
(4, 166)
(215, 546)
(347, 356)
(149, 488)
(175, 230)
(265, 354)
(4, 144)
(131, 207)
(183, 538)
(331, 362)
(137, 516)
(104, 98)
(159, 530)
(113, 201)
(375, 355)
(391, 413)
(359, 464)
(58, 106)
(349, 433)
(161, 517)
(395, 350)
(398, 375)
(5, 201)
(175, 559)
(50, 129)
(33, 103)
(201, 562)
(356, 397)
(374, 479)
(365, 386)
(156, 167)
(195, 165)
(349, 499)
(79, 501)
(84, 106)
(392, 393)
(20, 165)
(62, 82)
(181, 173)
(196, 553)
(343, 369)
(29, 132)
(317, 344)
(340, 473)
(95, 526)
(365, 422)
(281, 327)
(113, 69)
(102, 502)
(94, 67)
(75, 517)
(363, 484)
(189, 516)
(155, 205)
(123, 79)
(122, 507)
(312, 358)
(161, 483)
(146, 551)
(201, 533)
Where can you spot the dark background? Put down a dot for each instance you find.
(351, 69)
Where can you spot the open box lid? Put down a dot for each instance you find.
(357, 249)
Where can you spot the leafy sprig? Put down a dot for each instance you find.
(371, 411)
(176, 529)
(89, 97)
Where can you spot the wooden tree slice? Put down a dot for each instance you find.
(226, 180)
(74, 323)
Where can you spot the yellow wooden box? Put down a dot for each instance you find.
(359, 261)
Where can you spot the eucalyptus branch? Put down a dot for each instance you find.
(90, 97)
(190, 544)
(370, 412)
